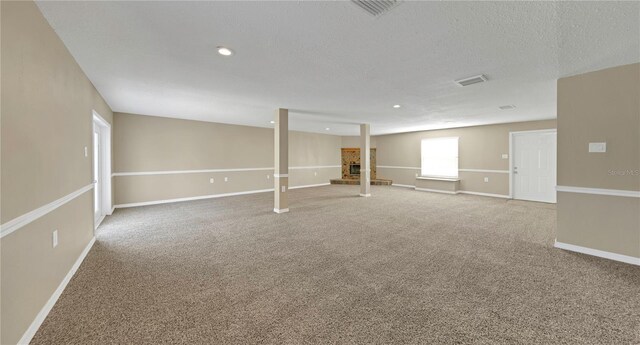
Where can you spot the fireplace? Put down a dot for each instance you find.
(351, 168)
(351, 163)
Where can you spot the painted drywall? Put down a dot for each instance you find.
(354, 141)
(157, 144)
(480, 147)
(46, 108)
(600, 106)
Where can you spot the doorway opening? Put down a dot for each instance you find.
(101, 168)
(533, 165)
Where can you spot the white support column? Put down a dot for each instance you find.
(281, 161)
(365, 160)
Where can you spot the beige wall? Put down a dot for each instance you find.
(601, 106)
(149, 143)
(480, 147)
(46, 123)
(354, 141)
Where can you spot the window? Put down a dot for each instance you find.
(440, 157)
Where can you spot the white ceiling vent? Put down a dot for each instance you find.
(507, 107)
(472, 80)
(376, 7)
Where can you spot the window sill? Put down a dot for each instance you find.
(435, 178)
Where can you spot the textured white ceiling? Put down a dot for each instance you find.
(335, 66)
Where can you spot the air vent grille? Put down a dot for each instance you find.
(507, 107)
(472, 80)
(376, 7)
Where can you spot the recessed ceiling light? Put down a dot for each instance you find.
(397, 106)
(272, 122)
(326, 129)
(507, 107)
(225, 51)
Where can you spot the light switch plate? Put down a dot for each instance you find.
(486, 179)
(505, 156)
(211, 180)
(226, 179)
(55, 238)
(598, 147)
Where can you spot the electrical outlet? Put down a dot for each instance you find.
(505, 156)
(268, 177)
(86, 152)
(416, 175)
(211, 180)
(315, 173)
(284, 189)
(486, 179)
(55, 238)
(226, 179)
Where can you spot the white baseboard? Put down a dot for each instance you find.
(111, 212)
(33, 328)
(402, 185)
(167, 201)
(365, 195)
(485, 194)
(280, 210)
(310, 185)
(435, 190)
(97, 224)
(599, 253)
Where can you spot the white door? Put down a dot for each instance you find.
(534, 165)
(97, 204)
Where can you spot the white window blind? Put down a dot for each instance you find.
(440, 157)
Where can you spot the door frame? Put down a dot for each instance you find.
(511, 161)
(105, 166)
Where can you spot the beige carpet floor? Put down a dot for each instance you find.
(399, 267)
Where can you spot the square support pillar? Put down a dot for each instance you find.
(281, 162)
(365, 160)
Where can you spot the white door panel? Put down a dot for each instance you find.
(534, 166)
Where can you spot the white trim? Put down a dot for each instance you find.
(365, 195)
(435, 190)
(35, 324)
(402, 185)
(599, 191)
(18, 222)
(212, 196)
(97, 224)
(484, 194)
(280, 210)
(171, 172)
(316, 167)
(112, 209)
(599, 253)
(310, 185)
(536, 131)
(397, 167)
(280, 175)
(511, 161)
(106, 175)
(511, 165)
(100, 119)
(465, 170)
(434, 178)
(485, 171)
